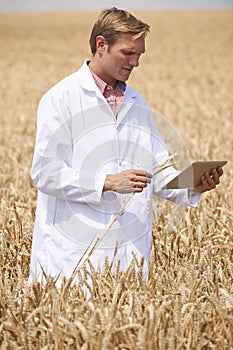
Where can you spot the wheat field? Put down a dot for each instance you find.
(186, 75)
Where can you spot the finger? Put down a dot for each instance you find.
(210, 181)
(204, 181)
(148, 175)
(142, 173)
(143, 179)
(215, 176)
(139, 184)
(220, 171)
(137, 188)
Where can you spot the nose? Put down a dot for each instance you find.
(134, 61)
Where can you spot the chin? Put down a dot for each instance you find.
(124, 77)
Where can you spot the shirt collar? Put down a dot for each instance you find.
(102, 85)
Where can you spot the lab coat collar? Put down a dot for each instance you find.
(85, 78)
(87, 82)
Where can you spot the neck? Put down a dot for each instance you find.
(96, 68)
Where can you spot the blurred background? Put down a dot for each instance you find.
(75, 5)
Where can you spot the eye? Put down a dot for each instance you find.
(128, 53)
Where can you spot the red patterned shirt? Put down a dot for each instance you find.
(114, 97)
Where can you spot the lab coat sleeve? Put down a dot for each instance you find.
(184, 196)
(52, 171)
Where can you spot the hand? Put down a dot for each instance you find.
(128, 181)
(209, 181)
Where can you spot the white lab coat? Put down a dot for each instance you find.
(78, 142)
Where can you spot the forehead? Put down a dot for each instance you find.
(127, 41)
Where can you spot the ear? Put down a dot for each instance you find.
(101, 43)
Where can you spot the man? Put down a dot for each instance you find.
(97, 144)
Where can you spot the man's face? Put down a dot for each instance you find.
(119, 59)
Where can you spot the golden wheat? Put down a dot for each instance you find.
(188, 300)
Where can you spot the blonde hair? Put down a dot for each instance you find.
(112, 22)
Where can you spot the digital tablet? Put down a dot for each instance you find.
(191, 176)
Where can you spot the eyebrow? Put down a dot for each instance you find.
(132, 51)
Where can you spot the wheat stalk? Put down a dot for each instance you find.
(161, 166)
(192, 264)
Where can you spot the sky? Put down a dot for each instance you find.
(82, 5)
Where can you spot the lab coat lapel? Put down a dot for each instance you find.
(129, 101)
(87, 83)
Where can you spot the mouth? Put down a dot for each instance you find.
(129, 70)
